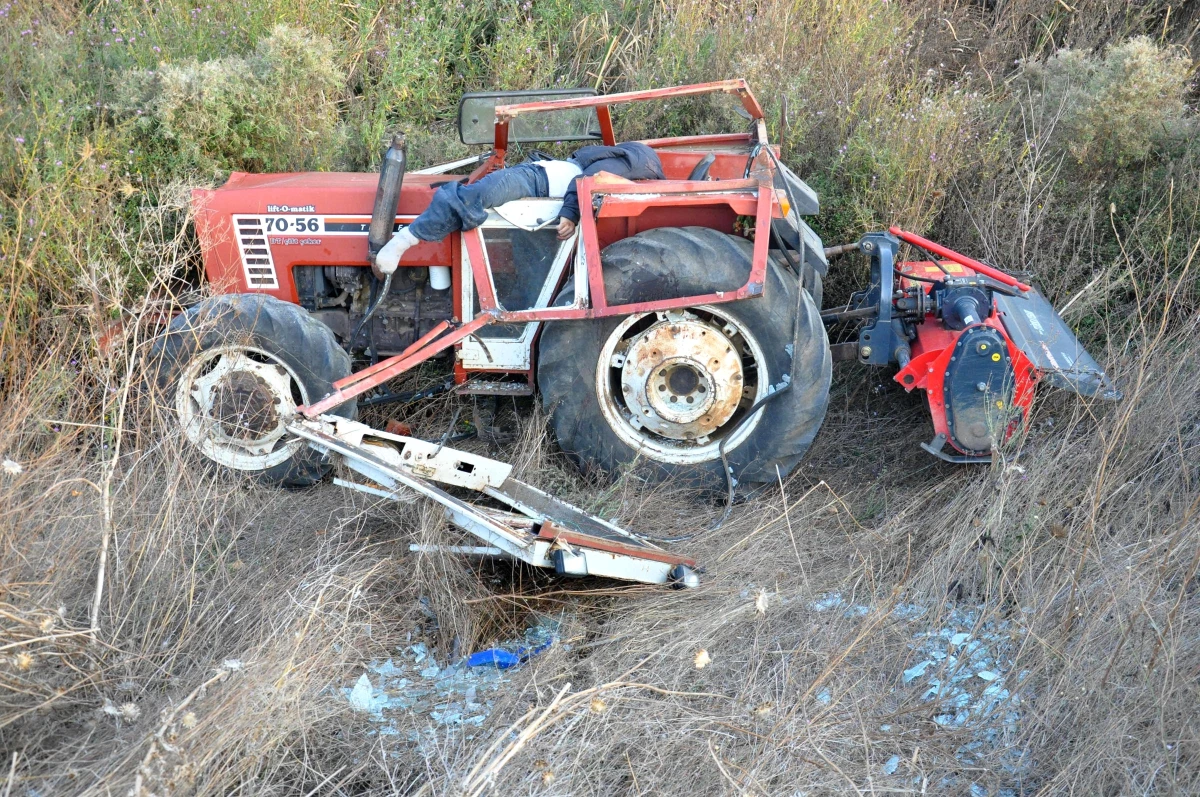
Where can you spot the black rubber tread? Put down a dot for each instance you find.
(279, 328)
(814, 283)
(667, 263)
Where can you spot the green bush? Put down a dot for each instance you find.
(1113, 110)
(274, 110)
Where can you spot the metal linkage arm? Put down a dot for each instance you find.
(438, 339)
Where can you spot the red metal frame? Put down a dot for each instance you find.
(747, 197)
(505, 113)
(961, 259)
(934, 346)
(603, 102)
(753, 196)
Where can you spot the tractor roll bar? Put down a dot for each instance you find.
(737, 86)
(602, 103)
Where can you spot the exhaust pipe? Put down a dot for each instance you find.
(387, 197)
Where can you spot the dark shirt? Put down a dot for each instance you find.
(631, 160)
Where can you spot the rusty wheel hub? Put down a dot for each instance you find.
(244, 406)
(682, 379)
(678, 383)
(234, 403)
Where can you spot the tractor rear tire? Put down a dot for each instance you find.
(815, 285)
(811, 279)
(606, 416)
(234, 368)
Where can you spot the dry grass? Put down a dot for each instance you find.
(231, 613)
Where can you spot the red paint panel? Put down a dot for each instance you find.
(608, 184)
(929, 270)
(741, 205)
(339, 199)
(678, 165)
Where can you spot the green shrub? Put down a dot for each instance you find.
(517, 57)
(275, 110)
(1113, 110)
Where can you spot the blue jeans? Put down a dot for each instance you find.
(464, 207)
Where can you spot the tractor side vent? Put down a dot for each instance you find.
(257, 264)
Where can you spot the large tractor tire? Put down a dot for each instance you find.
(668, 389)
(814, 283)
(234, 368)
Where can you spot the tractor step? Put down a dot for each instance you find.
(494, 387)
(523, 522)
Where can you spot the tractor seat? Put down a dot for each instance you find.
(700, 172)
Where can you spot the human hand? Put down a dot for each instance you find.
(565, 229)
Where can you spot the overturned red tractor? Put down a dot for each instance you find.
(680, 327)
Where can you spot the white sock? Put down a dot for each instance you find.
(409, 239)
(388, 259)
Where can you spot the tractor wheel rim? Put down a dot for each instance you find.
(674, 385)
(234, 404)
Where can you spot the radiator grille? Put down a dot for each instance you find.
(257, 264)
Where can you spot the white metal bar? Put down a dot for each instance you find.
(581, 274)
(363, 488)
(384, 466)
(442, 168)
(361, 460)
(474, 550)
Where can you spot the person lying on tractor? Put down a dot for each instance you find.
(457, 206)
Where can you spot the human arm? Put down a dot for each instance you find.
(570, 205)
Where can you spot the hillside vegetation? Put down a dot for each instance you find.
(169, 629)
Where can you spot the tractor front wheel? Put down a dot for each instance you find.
(672, 388)
(235, 368)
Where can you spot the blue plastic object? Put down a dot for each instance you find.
(495, 657)
(504, 659)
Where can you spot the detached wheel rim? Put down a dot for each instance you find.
(675, 385)
(234, 403)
